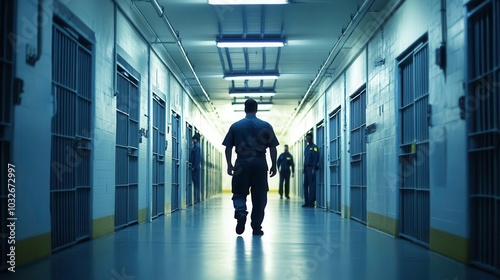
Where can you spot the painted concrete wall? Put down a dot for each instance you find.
(409, 22)
(32, 130)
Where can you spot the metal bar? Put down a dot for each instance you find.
(247, 62)
(244, 19)
(229, 62)
(221, 58)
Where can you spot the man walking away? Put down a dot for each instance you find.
(251, 137)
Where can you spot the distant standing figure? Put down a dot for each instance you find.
(311, 164)
(285, 162)
(195, 159)
(251, 137)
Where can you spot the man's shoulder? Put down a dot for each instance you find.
(261, 121)
(239, 122)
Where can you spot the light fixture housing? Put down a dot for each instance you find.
(256, 92)
(250, 42)
(247, 2)
(251, 76)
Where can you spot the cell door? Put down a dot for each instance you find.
(71, 136)
(358, 156)
(335, 175)
(301, 146)
(483, 126)
(189, 179)
(202, 168)
(159, 146)
(320, 174)
(176, 128)
(7, 58)
(127, 146)
(205, 167)
(414, 146)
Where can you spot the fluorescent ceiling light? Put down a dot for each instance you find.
(259, 111)
(239, 77)
(252, 94)
(247, 2)
(250, 43)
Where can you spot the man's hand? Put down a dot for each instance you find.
(230, 169)
(272, 171)
(314, 171)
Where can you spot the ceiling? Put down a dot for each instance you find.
(311, 29)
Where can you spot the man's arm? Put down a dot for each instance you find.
(278, 162)
(274, 154)
(197, 156)
(229, 154)
(315, 160)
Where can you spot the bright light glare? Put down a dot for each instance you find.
(250, 44)
(247, 2)
(252, 94)
(251, 77)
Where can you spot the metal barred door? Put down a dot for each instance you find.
(205, 167)
(335, 181)
(176, 128)
(320, 174)
(483, 125)
(71, 137)
(127, 148)
(202, 168)
(7, 56)
(301, 146)
(414, 145)
(189, 179)
(159, 146)
(358, 156)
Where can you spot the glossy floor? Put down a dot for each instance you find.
(200, 243)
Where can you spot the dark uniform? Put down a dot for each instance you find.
(251, 136)
(195, 159)
(311, 162)
(285, 162)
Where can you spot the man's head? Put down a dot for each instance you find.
(309, 137)
(196, 138)
(286, 148)
(250, 106)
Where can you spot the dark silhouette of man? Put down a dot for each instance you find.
(251, 137)
(285, 162)
(311, 164)
(195, 159)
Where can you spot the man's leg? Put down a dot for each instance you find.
(259, 188)
(240, 211)
(280, 188)
(287, 185)
(312, 188)
(240, 192)
(306, 185)
(196, 184)
(259, 202)
(240, 204)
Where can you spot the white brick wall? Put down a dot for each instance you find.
(32, 126)
(411, 21)
(32, 134)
